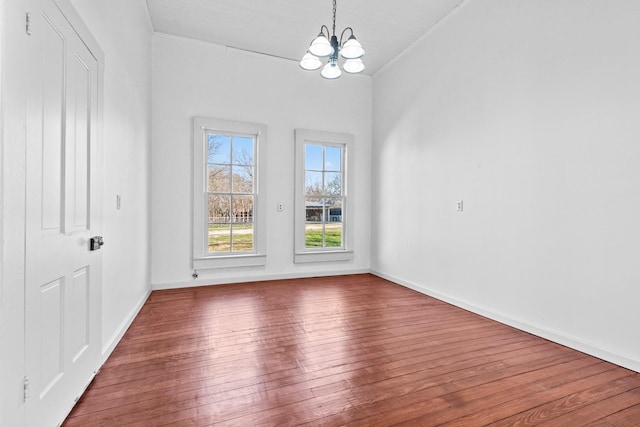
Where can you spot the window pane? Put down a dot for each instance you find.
(219, 237)
(219, 148)
(333, 183)
(313, 157)
(313, 206)
(313, 182)
(219, 178)
(333, 234)
(313, 235)
(334, 210)
(242, 235)
(314, 228)
(333, 158)
(242, 150)
(242, 179)
(242, 209)
(219, 209)
(333, 227)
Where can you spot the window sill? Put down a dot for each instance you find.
(323, 256)
(230, 261)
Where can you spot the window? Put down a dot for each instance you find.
(323, 178)
(323, 207)
(228, 225)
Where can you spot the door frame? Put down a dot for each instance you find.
(13, 91)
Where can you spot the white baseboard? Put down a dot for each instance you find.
(109, 346)
(208, 280)
(555, 336)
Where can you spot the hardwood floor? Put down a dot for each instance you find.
(349, 350)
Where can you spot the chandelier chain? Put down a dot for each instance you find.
(335, 7)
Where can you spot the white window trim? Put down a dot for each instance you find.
(303, 254)
(201, 258)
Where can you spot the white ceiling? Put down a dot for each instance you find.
(284, 28)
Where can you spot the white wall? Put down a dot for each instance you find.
(192, 78)
(529, 112)
(124, 32)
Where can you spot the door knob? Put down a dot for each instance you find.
(96, 243)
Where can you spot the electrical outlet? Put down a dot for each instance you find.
(459, 206)
(280, 206)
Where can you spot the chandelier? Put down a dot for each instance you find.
(324, 46)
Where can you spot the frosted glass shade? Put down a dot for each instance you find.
(331, 71)
(352, 49)
(353, 66)
(310, 62)
(320, 46)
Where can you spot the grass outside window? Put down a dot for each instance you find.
(221, 235)
(332, 235)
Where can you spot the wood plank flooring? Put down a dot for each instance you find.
(349, 350)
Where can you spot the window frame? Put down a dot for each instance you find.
(201, 257)
(305, 254)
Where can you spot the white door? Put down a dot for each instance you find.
(62, 294)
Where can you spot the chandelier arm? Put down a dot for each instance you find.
(343, 31)
(322, 29)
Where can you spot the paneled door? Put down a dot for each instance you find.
(63, 269)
